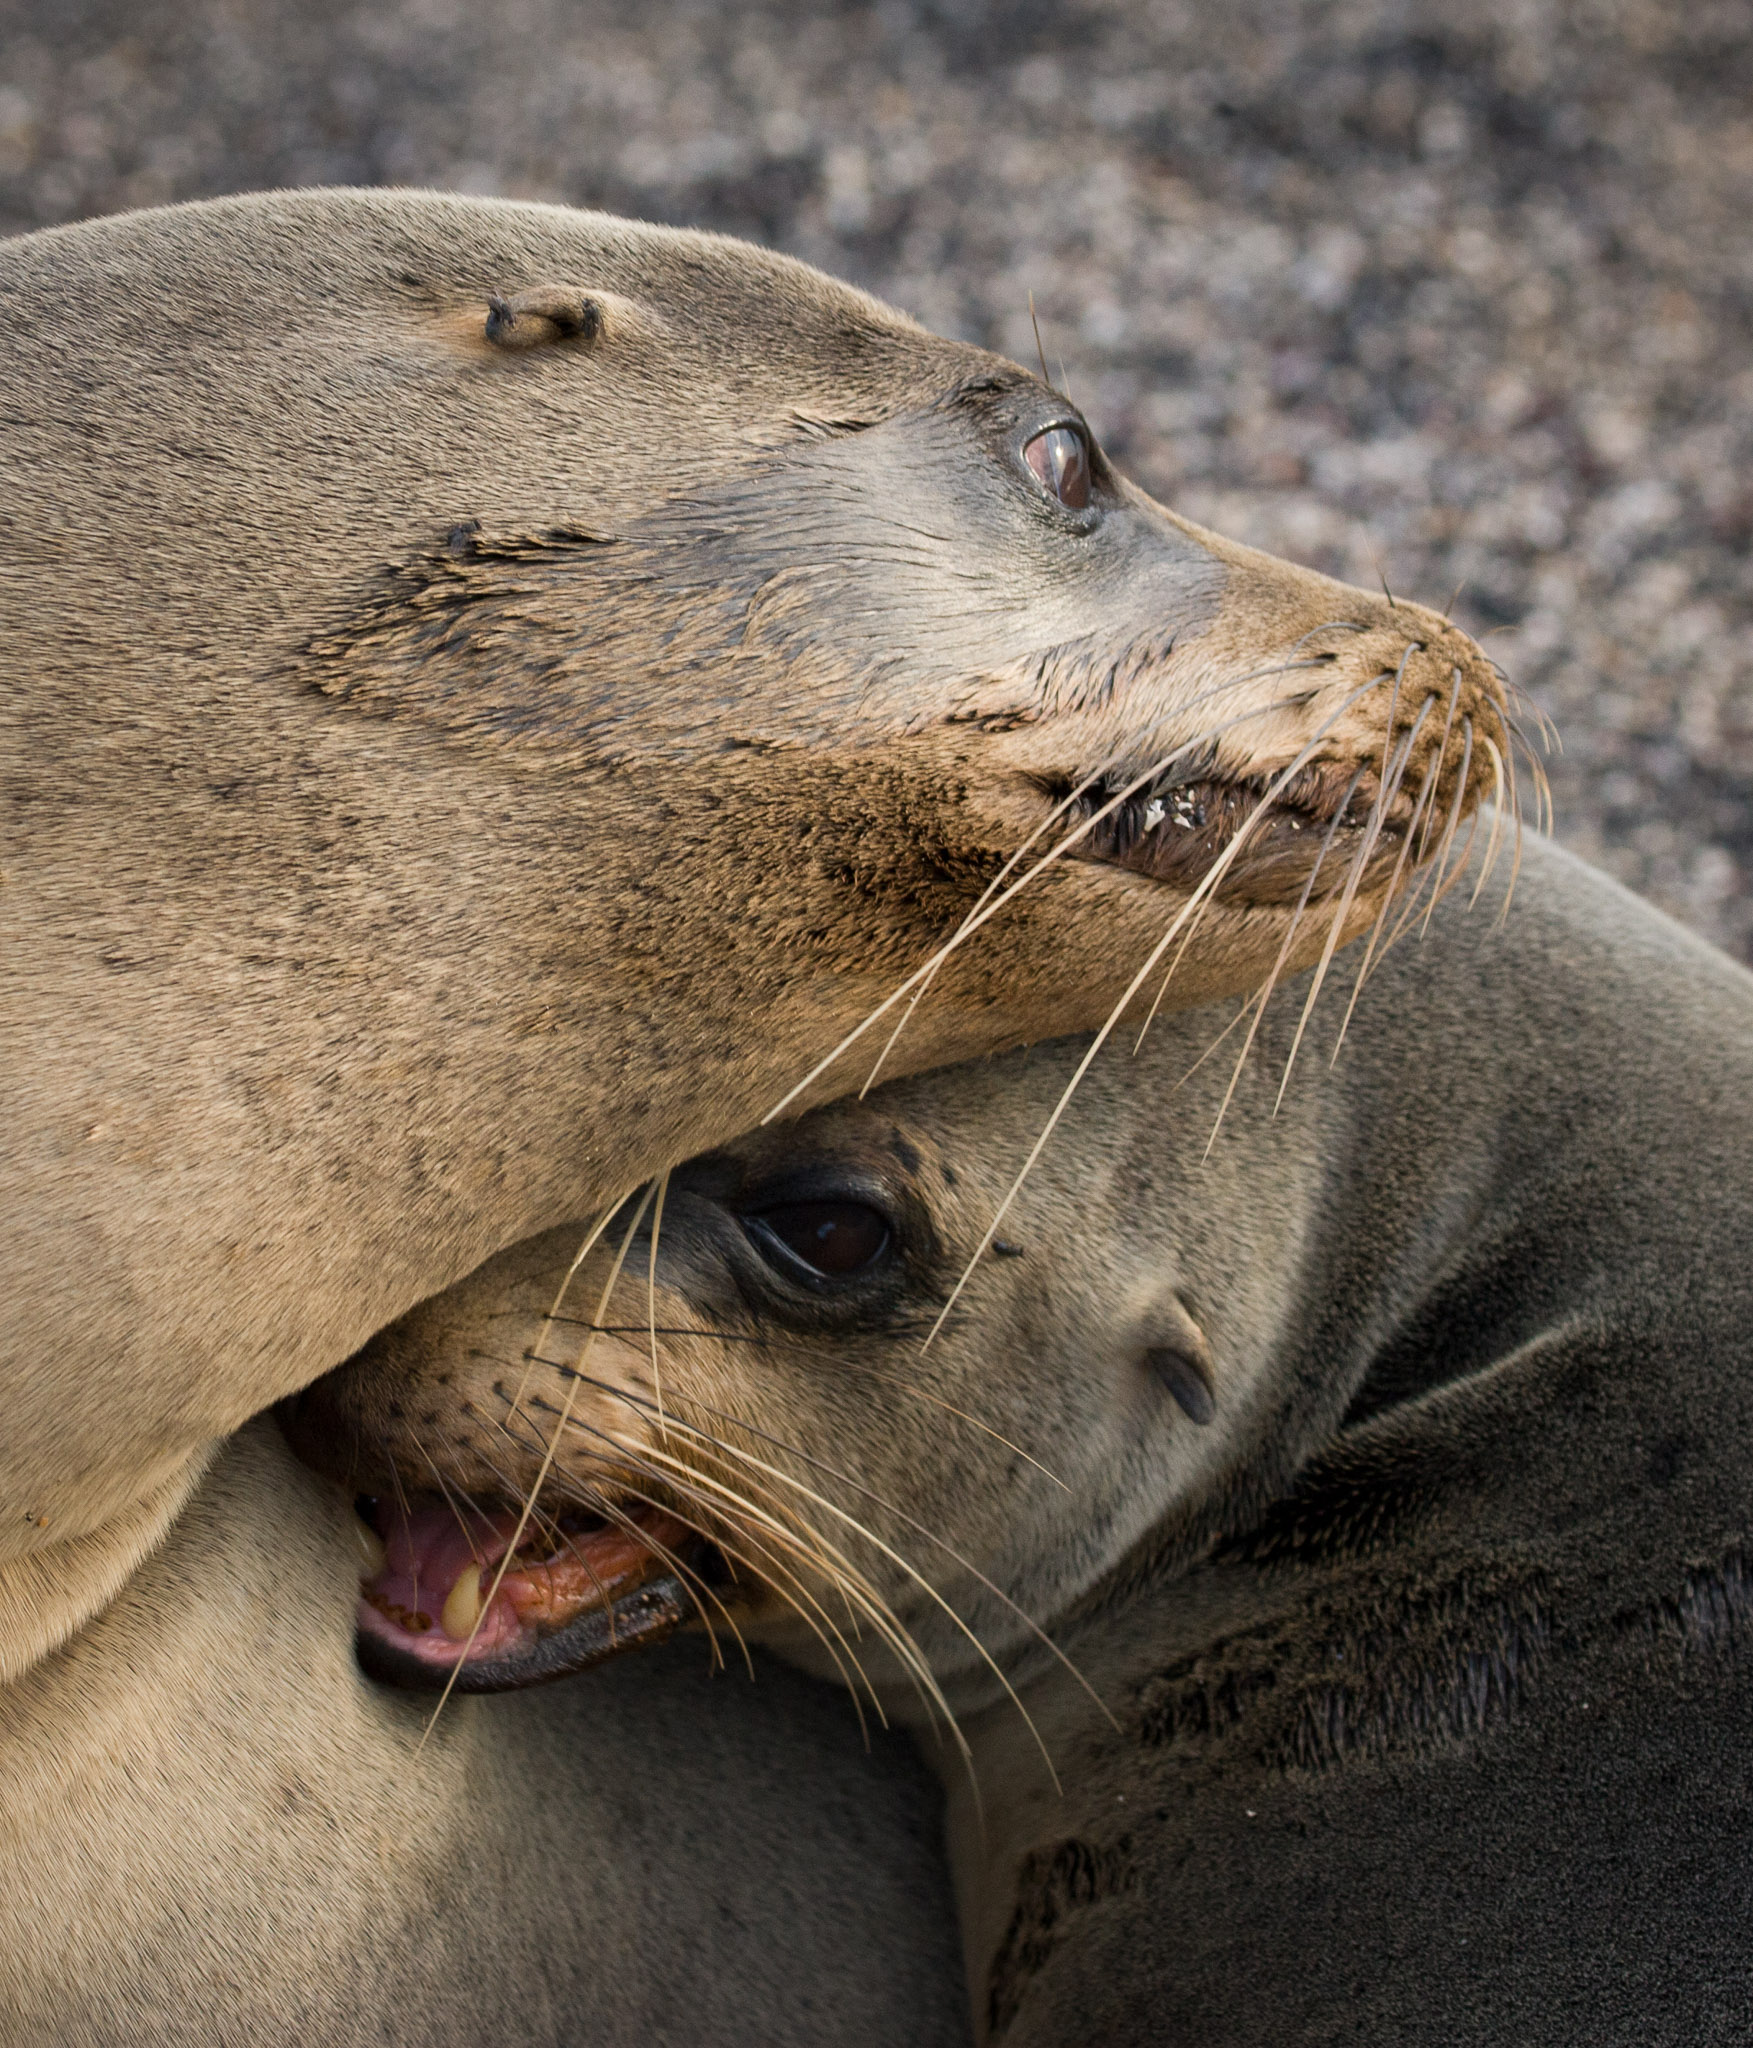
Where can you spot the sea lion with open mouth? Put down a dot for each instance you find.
(1380, 1473)
(215, 1830)
(499, 693)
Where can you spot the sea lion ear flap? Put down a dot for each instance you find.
(1181, 1359)
(544, 314)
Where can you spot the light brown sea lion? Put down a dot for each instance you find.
(1381, 1471)
(495, 694)
(214, 1830)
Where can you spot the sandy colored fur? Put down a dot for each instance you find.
(215, 1830)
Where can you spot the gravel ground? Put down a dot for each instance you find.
(1465, 290)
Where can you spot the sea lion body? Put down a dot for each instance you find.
(495, 693)
(1394, 1504)
(1449, 1741)
(214, 1829)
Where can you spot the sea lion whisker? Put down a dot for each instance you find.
(1409, 908)
(1459, 866)
(799, 1537)
(685, 1573)
(1247, 1003)
(598, 1503)
(1440, 862)
(1271, 981)
(986, 909)
(1516, 827)
(528, 1507)
(1192, 930)
(445, 1492)
(766, 1564)
(589, 1244)
(573, 1488)
(550, 1523)
(776, 1507)
(1390, 781)
(884, 1620)
(870, 1536)
(663, 1183)
(773, 1512)
(1059, 809)
(1442, 754)
(406, 1508)
(1550, 736)
(974, 918)
(771, 1572)
(1426, 788)
(1390, 896)
(1490, 860)
(1219, 868)
(777, 1512)
(747, 1459)
(860, 1366)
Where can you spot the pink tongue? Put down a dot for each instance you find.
(426, 1549)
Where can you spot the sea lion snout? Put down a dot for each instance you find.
(734, 1385)
(1305, 736)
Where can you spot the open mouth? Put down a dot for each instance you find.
(1176, 831)
(577, 1590)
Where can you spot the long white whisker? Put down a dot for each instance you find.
(1220, 867)
(547, 1458)
(1271, 980)
(1390, 782)
(982, 914)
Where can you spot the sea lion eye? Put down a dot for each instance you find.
(833, 1239)
(1060, 459)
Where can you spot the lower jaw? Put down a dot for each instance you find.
(633, 1621)
(490, 1621)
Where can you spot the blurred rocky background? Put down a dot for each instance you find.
(1463, 288)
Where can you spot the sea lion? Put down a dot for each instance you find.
(215, 1830)
(1378, 1466)
(497, 694)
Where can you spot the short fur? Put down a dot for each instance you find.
(214, 1830)
(448, 781)
(1428, 1652)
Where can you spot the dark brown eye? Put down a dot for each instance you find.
(1060, 459)
(834, 1239)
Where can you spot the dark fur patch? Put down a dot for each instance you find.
(1052, 1885)
(1363, 1494)
(1193, 1701)
(1433, 1670)
(1410, 1674)
(1711, 1615)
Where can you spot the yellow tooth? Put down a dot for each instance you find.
(463, 1609)
(369, 1544)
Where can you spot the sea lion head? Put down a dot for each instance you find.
(517, 692)
(815, 1397)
